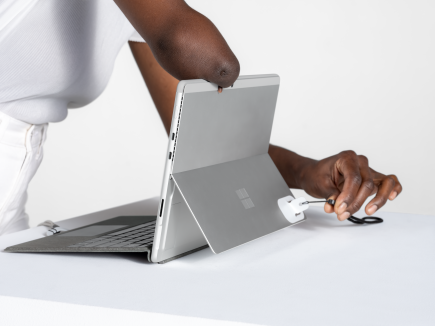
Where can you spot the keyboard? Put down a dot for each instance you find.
(138, 236)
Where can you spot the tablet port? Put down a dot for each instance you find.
(170, 155)
(161, 207)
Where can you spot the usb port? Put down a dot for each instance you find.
(173, 136)
(170, 155)
(161, 207)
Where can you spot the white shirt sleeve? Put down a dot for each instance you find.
(135, 37)
(12, 12)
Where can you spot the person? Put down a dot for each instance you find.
(59, 54)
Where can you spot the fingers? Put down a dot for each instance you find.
(355, 176)
(397, 188)
(219, 89)
(350, 181)
(366, 188)
(389, 187)
(328, 207)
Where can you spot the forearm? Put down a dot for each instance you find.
(291, 165)
(161, 85)
(184, 42)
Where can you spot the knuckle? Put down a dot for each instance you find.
(390, 180)
(363, 158)
(381, 201)
(397, 183)
(369, 185)
(348, 153)
(355, 206)
(356, 179)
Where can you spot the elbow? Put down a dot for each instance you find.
(185, 57)
(224, 72)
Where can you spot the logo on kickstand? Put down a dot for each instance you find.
(244, 197)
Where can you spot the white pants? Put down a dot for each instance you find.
(20, 156)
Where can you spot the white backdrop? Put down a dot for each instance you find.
(354, 75)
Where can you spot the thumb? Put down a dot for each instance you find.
(328, 207)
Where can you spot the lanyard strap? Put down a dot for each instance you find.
(353, 219)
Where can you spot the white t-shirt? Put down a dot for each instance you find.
(57, 54)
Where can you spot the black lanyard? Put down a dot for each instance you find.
(353, 219)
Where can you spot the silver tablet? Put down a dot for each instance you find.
(220, 187)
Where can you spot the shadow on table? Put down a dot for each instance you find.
(317, 219)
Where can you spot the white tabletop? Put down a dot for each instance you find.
(320, 272)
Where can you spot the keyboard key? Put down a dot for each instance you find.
(144, 237)
(136, 236)
(133, 228)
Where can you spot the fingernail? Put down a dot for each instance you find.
(344, 216)
(342, 208)
(372, 209)
(393, 195)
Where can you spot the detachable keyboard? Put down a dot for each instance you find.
(138, 236)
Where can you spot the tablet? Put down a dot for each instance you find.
(220, 187)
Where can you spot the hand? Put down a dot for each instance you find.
(348, 179)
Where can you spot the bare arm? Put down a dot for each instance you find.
(345, 177)
(184, 42)
(161, 85)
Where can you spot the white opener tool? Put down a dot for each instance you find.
(293, 208)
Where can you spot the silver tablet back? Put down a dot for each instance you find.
(223, 187)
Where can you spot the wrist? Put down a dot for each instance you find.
(294, 168)
(305, 173)
(301, 170)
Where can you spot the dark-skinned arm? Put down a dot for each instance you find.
(161, 85)
(183, 41)
(345, 177)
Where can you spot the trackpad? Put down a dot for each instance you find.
(91, 231)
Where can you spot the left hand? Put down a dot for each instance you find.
(348, 179)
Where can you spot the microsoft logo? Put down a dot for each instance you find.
(244, 197)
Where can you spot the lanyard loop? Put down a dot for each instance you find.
(353, 219)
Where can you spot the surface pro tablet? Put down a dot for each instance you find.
(220, 187)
